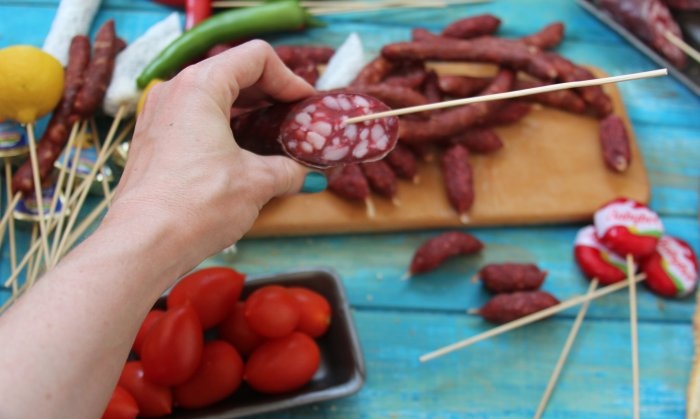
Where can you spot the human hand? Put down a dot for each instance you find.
(184, 167)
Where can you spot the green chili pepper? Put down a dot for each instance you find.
(273, 16)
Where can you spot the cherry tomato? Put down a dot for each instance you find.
(236, 331)
(219, 375)
(153, 400)
(173, 347)
(283, 364)
(272, 311)
(122, 405)
(212, 292)
(151, 318)
(315, 311)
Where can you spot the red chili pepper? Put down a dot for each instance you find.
(196, 11)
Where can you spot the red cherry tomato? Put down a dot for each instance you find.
(122, 405)
(153, 400)
(272, 311)
(151, 318)
(236, 331)
(172, 348)
(219, 375)
(212, 292)
(283, 364)
(315, 311)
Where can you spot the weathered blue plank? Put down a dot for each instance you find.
(373, 265)
(505, 376)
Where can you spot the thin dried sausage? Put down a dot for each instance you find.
(504, 52)
(511, 277)
(458, 178)
(438, 249)
(472, 27)
(614, 143)
(504, 308)
(99, 72)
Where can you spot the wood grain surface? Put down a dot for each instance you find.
(550, 170)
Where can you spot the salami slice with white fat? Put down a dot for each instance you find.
(313, 131)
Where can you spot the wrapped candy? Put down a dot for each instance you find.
(672, 270)
(595, 260)
(628, 228)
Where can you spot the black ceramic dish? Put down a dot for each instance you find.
(689, 23)
(342, 370)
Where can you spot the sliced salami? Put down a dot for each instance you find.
(313, 131)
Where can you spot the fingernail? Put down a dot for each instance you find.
(314, 182)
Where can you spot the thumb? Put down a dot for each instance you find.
(291, 177)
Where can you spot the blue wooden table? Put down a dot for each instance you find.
(399, 320)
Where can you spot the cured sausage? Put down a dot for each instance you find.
(511, 277)
(458, 178)
(504, 52)
(548, 37)
(395, 96)
(510, 112)
(403, 161)
(462, 86)
(374, 72)
(300, 55)
(422, 35)
(348, 182)
(312, 131)
(478, 140)
(566, 100)
(431, 89)
(455, 120)
(649, 20)
(437, 250)
(99, 72)
(504, 308)
(594, 96)
(614, 143)
(472, 27)
(381, 178)
(54, 138)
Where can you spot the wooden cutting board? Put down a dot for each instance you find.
(550, 170)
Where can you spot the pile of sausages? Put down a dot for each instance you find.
(400, 77)
(516, 285)
(87, 77)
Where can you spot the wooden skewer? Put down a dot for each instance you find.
(37, 190)
(11, 225)
(565, 351)
(33, 248)
(11, 205)
(98, 149)
(336, 4)
(692, 52)
(508, 95)
(29, 280)
(69, 190)
(100, 161)
(531, 318)
(324, 10)
(633, 337)
(71, 202)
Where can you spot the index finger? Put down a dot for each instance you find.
(254, 63)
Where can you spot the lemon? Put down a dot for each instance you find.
(142, 99)
(31, 83)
